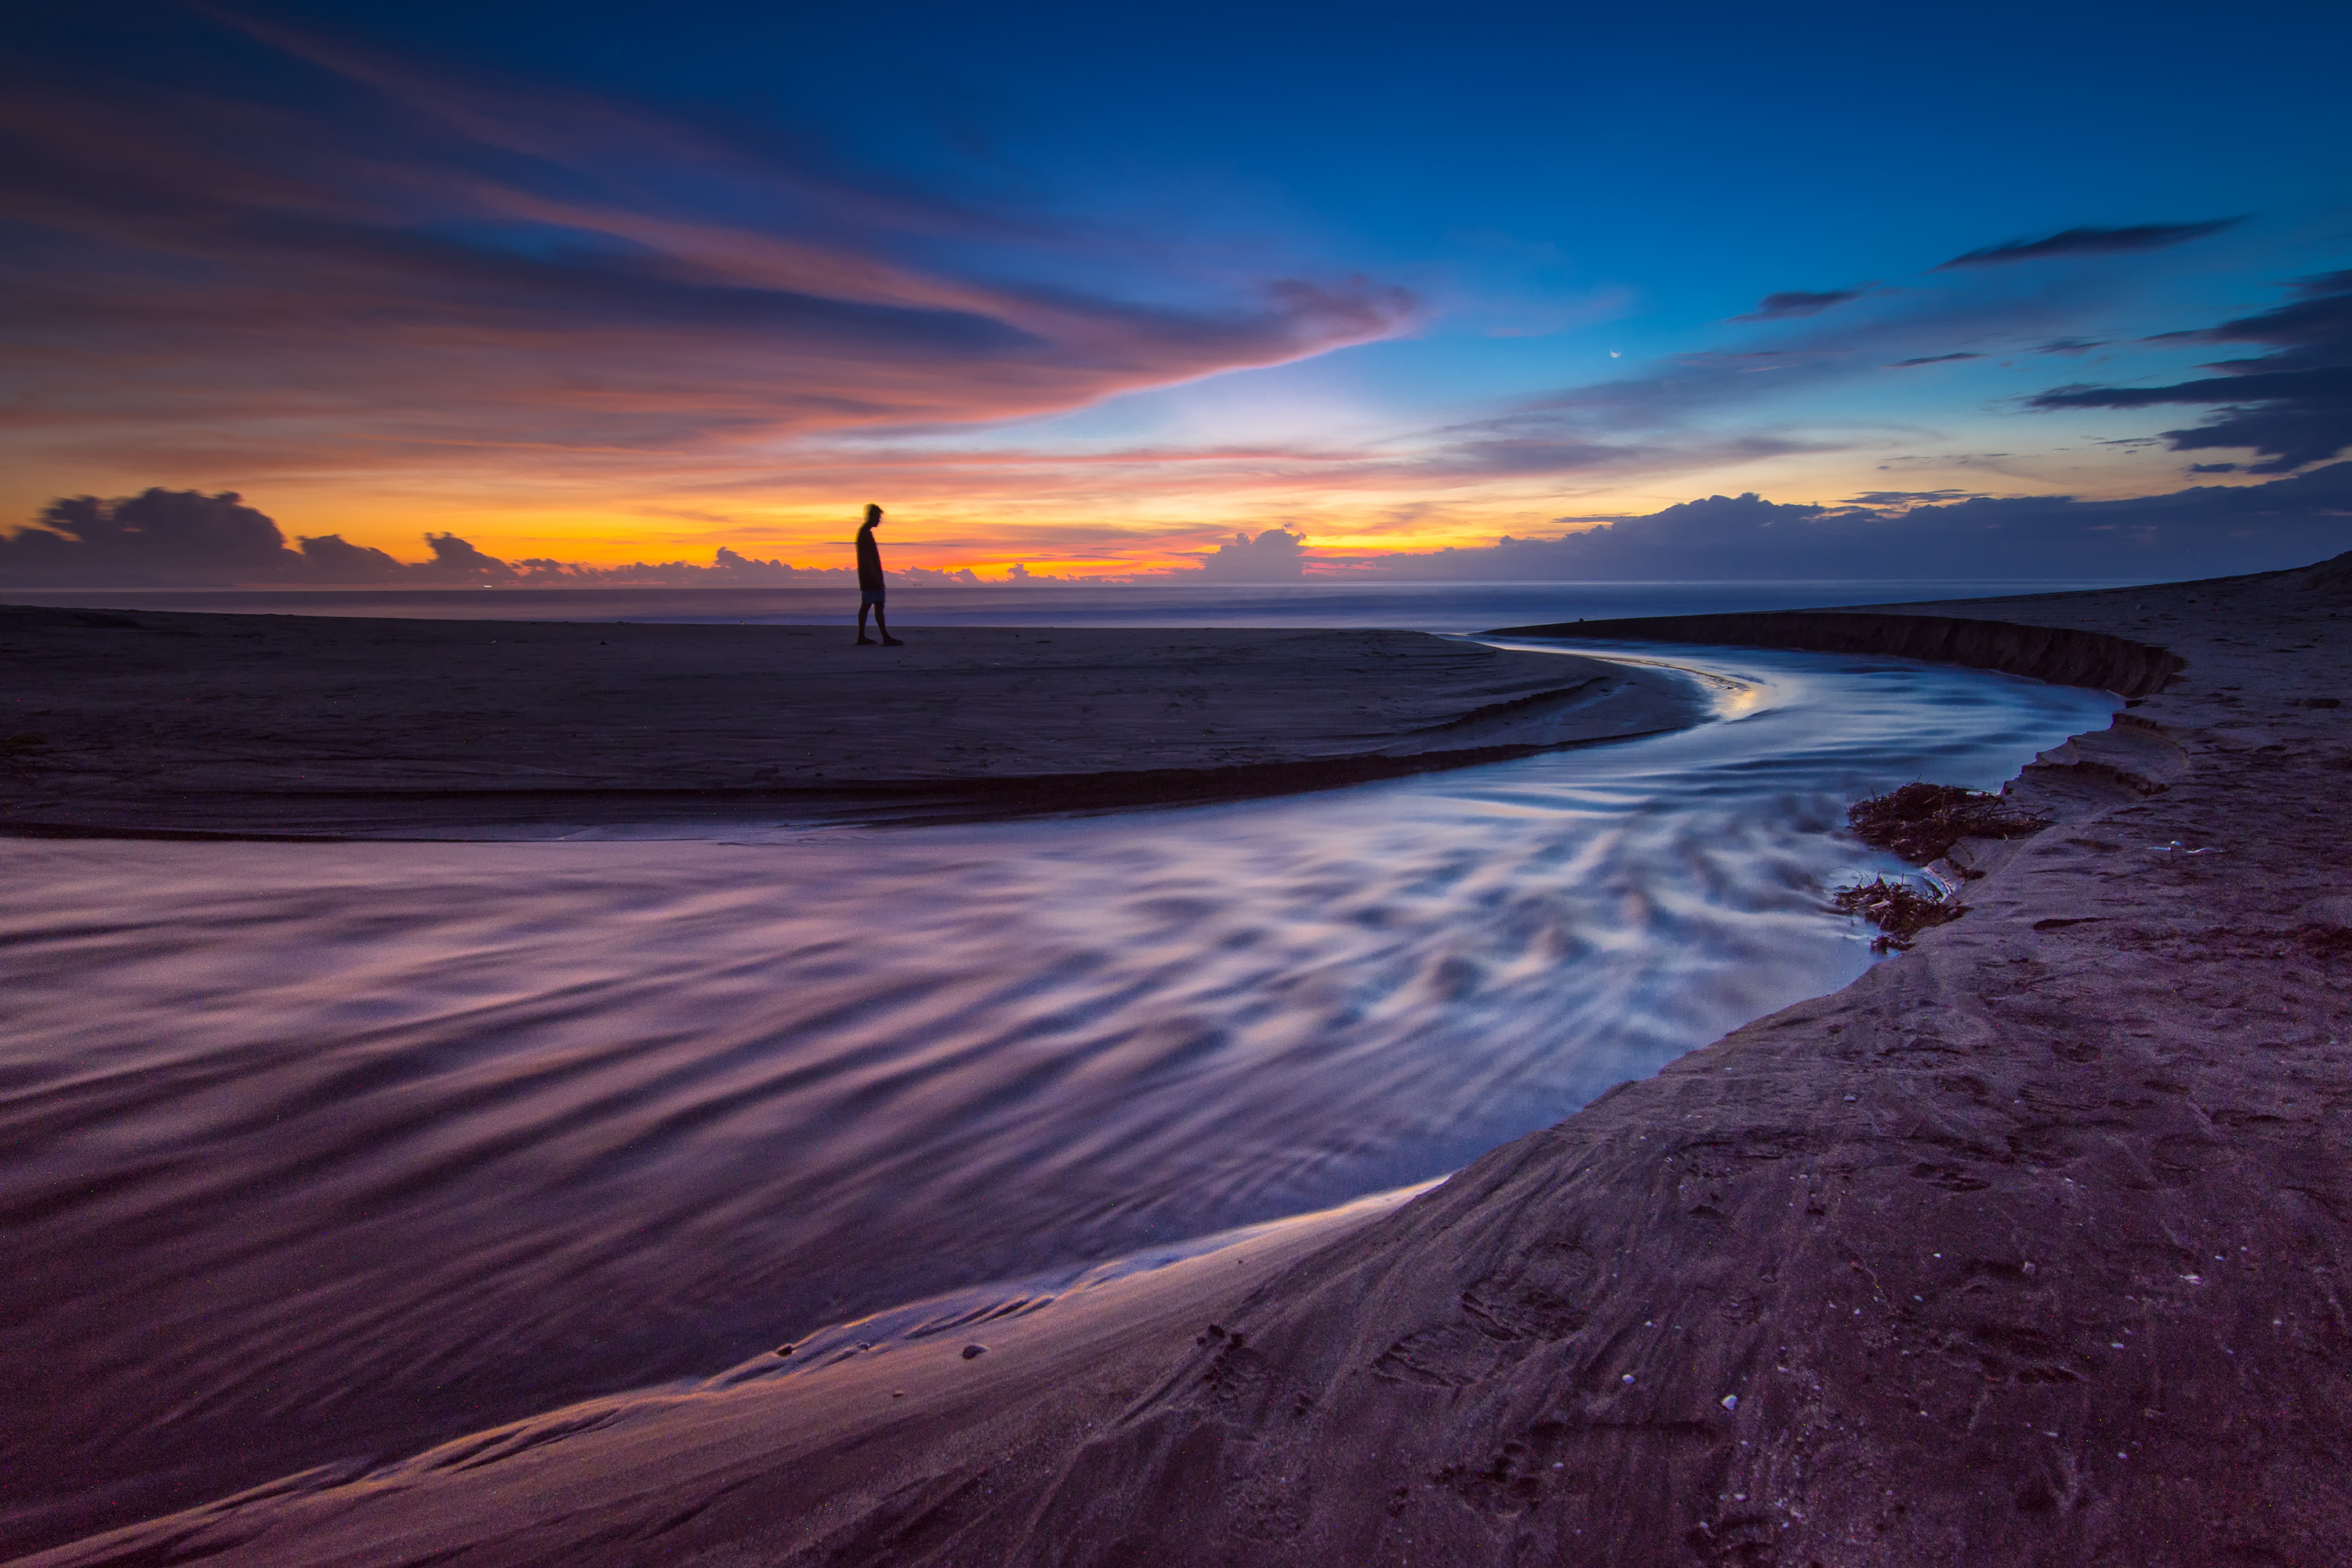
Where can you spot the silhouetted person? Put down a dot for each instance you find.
(870, 582)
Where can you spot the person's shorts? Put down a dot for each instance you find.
(869, 596)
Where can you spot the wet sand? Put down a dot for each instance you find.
(2034, 1246)
(290, 725)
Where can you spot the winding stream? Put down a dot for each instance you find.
(322, 1150)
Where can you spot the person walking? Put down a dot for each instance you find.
(871, 583)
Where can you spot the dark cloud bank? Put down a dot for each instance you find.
(173, 539)
(2207, 532)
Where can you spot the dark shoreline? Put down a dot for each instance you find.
(2063, 655)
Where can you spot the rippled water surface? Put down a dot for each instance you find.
(332, 1149)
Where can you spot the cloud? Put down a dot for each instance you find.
(2070, 346)
(2292, 406)
(1275, 556)
(2090, 242)
(1909, 498)
(185, 539)
(349, 262)
(2203, 531)
(1699, 410)
(1796, 302)
(1931, 359)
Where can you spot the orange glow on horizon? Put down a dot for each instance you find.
(1089, 514)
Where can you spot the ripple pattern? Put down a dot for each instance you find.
(333, 1151)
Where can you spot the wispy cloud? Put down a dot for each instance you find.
(360, 252)
(1911, 497)
(1795, 302)
(2292, 406)
(2090, 242)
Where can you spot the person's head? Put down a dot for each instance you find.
(873, 515)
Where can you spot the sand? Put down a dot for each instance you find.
(2034, 1246)
(288, 725)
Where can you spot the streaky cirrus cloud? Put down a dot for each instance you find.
(1704, 410)
(356, 259)
(1676, 414)
(1794, 302)
(2293, 405)
(2090, 242)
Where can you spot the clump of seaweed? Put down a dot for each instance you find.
(1899, 909)
(1921, 822)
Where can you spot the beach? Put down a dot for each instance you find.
(2032, 1244)
(311, 725)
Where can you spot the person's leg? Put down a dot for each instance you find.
(863, 607)
(882, 624)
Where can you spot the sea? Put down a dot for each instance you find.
(1410, 606)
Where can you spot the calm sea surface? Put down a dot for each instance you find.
(322, 1150)
(1414, 606)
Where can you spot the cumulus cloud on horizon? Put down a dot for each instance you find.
(185, 539)
(165, 539)
(1276, 555)
(2203, 531)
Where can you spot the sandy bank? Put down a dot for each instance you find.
(159, 721)
(2034, 1246)
(2070, 655)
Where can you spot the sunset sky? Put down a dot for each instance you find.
(1089, 288)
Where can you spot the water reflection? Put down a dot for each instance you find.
(335, 1149)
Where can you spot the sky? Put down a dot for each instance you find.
(1088, 290)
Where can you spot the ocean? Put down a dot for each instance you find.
(1409, 606)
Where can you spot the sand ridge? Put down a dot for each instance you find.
(153, 721)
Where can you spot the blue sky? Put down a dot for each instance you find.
(1093, 288)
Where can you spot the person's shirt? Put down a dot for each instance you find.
(869, 563)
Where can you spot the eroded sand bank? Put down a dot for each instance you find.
(2031, 1247)
(292, 725)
